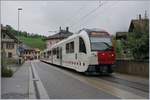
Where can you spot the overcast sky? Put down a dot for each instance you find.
(43, 16)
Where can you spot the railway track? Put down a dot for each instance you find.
(131, 84)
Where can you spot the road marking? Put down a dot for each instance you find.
(103, 86)
(42, 91)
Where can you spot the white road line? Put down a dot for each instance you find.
(103, 86)
(42, 91)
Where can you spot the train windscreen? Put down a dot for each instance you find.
(100, 43)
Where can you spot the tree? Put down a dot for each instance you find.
(139, 45)
(119, 48)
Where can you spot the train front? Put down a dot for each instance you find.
(103, 51)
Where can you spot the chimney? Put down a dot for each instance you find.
(60, 28)
(67, 29)
(140, 17)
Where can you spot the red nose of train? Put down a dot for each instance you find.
(106, 57)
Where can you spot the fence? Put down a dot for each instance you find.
(139, 68)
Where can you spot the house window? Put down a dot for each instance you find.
(10, 45)
(82, 47)
(9, 55)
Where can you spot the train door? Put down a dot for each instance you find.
(81, 55)
(60, 54)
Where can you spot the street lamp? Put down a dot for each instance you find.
(19, 9)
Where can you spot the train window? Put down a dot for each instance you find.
(82, 47)
(57, 52)
(44, 55)
(54, 51)
(47, 54)
(71, 47)
(50, 52)
(67, 48)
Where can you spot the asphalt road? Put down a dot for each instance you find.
(62, 86)
(65, 84)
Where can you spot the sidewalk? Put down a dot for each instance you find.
(16, 87)
(14, 67)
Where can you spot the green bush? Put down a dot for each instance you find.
(6, 72)
(10, 61)
(119, 48)
(139, 45)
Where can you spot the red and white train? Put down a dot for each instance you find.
(89, 51)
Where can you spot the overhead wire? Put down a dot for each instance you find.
(105, 11)
(76, 14)
(88, 14)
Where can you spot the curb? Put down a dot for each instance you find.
(32, 94)
(36, 88)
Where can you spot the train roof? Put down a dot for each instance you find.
(70, 37)
(94, 30)
(74, 35)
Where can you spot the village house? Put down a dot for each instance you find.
(9, 43)
(139, 25)
(62, 34)
(30, 53)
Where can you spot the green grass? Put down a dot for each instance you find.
(34, 42)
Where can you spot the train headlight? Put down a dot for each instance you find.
(103, 54)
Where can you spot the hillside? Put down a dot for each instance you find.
(31, 39)
(34, 42)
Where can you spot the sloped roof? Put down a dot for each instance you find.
(4, 31)
(60, 35)
(37, 49)
(94, 30)
(138, 24)
(26, 46)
